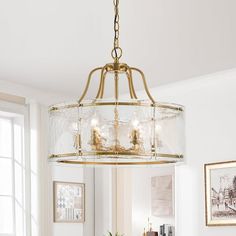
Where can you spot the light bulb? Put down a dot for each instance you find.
(94, 122)
(135, 123)
(75, 126)
(158, 129)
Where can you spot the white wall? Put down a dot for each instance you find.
(51, 44)
(43, 97)
(141, 198)
(78, 175)
(210, 137)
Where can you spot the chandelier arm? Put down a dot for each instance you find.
(101, 84)
(144, 83)
(88, 83)
(130, 88)
(131, 83)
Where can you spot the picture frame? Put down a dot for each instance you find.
(220, 193)
(69, 202)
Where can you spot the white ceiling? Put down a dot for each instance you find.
(53, 44)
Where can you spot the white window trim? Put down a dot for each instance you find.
(23, 110)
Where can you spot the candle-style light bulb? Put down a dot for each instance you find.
(94, 122)
(135, 123)
(75, 126)
(158, 129)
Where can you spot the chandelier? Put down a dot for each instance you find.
(116, 131)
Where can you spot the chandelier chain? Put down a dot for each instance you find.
(116, 51)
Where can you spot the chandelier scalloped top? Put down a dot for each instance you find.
(115, 131)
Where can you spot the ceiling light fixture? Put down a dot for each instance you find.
(115, 131)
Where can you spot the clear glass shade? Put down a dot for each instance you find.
(117, 132)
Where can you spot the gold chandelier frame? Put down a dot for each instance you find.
(116, 68)
(108, 156)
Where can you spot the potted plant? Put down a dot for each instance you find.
(117, 234)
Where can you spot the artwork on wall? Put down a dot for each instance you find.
(161, 193)
(220, 191)
(69, 202)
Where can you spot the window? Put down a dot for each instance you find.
(13, 170)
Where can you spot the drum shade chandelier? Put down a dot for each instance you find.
(114, 131)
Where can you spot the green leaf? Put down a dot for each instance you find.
(117, 234)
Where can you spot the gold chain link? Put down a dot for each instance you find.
(116, 52)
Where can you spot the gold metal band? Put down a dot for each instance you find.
(98, 103)
(137, 155)
(115, 163)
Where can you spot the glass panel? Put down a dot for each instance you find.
(170, 134)
(63, 129)
(123, 129)
(6, 216)
(5, 138)
(34, 197)
(18, 183)
(133, 129)
(5, 176)
(34, 227)
(18, 141)
(19, 218)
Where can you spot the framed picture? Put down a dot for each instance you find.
(69, 202)
(220, 193)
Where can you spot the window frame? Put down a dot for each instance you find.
(23, 111)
